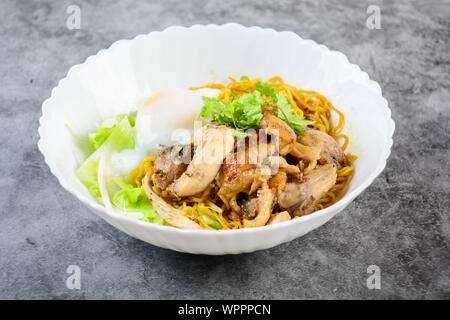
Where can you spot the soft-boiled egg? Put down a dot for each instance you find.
(168, 118)
(167, 111)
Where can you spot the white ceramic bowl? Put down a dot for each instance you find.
(118, 79)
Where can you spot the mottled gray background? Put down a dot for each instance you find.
(400, 223)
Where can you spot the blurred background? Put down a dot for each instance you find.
(400, 223)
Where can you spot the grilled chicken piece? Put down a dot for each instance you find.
(239, 174)
(278, 182)
(263, 207)
(277, 163)
(303, 152)
(330, 151)
(275, 126)
(249, 168)
(238, 177)
(170, 164)
(243, 171)
(249, 207)
(301, 196)
(213, 144)
(245, 179)
(279, 217)
(171, 215)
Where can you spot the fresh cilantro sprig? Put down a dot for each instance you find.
(288, 115)
(239, 134)
(245, 112)
(267, 90)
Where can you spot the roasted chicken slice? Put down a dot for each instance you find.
(246, 180)
(249, 207)
(303, 152)
(171, 215)
(212, 145)
(243, 171)
(301, 196)
(274, 126)
(240, 174)
(330, 151)
(170, 164)
(278, 182)
(263, 207)
(279, 217)
(277, 163)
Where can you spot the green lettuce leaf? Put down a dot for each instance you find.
(88, 175)
(83, 143)
(134, 199)
(108, 127)
(123, 136)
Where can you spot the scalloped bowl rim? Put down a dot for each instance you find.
(336, 207)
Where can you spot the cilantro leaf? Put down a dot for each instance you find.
(246, 109)
(244, 112)
(238, 134)
(266, 89)
(216, 110)
(244, 78)
(288, 115)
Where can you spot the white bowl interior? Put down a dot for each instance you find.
(117, 80)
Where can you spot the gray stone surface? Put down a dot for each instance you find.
(401, 223)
